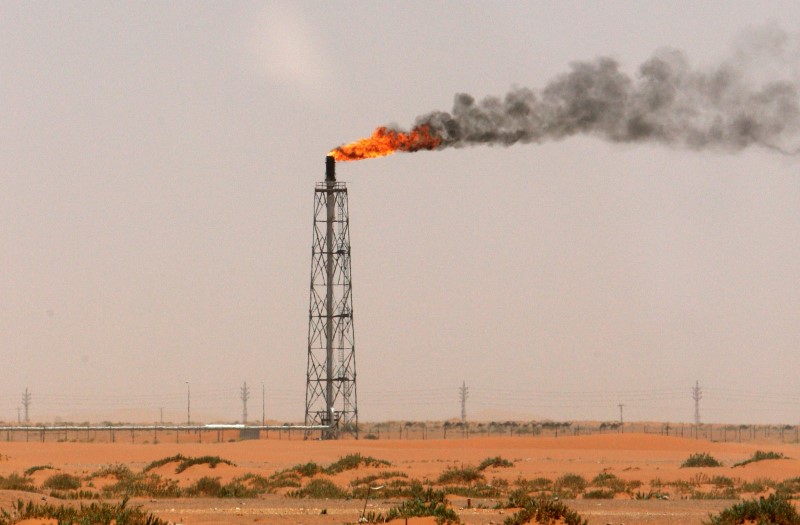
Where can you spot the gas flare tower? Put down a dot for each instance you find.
(331, 374)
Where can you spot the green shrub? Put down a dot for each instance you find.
(205, 486)
(143, 486)
(466, 475)
(757, 485)
(479, 490)
(354, 461)
(256, 482)
(569, 485)
(211, 461)
(788, 487)
(117, 472)
(771, 510)
(94, 513)
(236, 489)
(721, 481)
(724, 493)
(532, 485)
(425, 503)
(703, 459)
(62, 481)
(320, 489)
(544, 510)
(186, 462)
(16, 482)
(599, 494)
(760, 455)
(163, 461)
(495, 462)
(37, 468)
(307, 469)
(386, 474)
(609, 481)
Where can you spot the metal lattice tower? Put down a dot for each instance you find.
(697, 395)
(463, 394)
(244, 395)
(26, 402)
(331, 374)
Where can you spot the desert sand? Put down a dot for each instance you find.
(650, 459)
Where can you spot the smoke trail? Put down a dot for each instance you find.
(666, 102)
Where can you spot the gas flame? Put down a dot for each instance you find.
(385, 141)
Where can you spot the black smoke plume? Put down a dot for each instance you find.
(667, 102)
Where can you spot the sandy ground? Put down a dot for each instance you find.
(629, 456)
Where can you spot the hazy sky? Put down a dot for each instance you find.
(157, 166)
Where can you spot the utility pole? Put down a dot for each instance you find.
(161, 410)
(621, 421)
(244, 395)
(26, 402)
(263, 404)
(19, 418)
(697, 395)
(463, 394)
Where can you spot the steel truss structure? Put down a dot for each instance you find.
(331, 399)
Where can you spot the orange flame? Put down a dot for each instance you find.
(385, 141)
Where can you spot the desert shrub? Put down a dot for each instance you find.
(653, 494)
(771, 510)
(599, 494)
(721, 481)
(288, 478)
(307, 469)
(465, 474)
(354, 461)
(760, 455)
(37, 468)
(117, 472)
(495, 462)
(211, 461)
(256, 482)
(609, 481)
(724, 493)
(788, 487)
(386, 474)
(94, 513)
(394, 484)
(16, 482)
(544, 510)
(74, 494)
(703, 459)
(569, 485)
(683, 487)
(205, 486)
(393, 488)
(284, 479)
(533, 485)
(425, 503)
(163, 461)
(320, 489)
(143, 486)
(757, 485)
(479, 490)
(62, 481)
(633, 485)
(186, 462)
